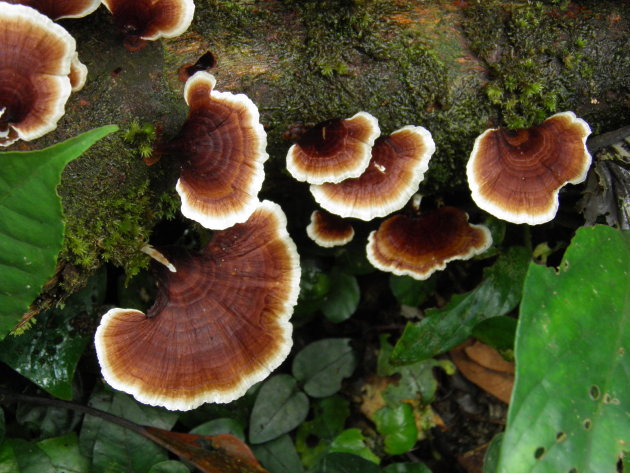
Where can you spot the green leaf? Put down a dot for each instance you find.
(345, 463)
(398, 427)
(491, 458)
(64, 454)
(169, 466)
(406, 468)
(280, 407)
(46, 421)
(569, 409)
(48, 352)
(314, 285)
(279, 455)
(322, 365)
(343, 298)
(352, 441)
(498, 332)
(220, 426)
(112, 448)
(20, 456)
(31, 221)
(442, 329)
(410, 291)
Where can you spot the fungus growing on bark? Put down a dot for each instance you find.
(148, 20)
(219, 324)
(329, 230)
(334, 150)
(221, 151)
(396, 169)
(516, 175)
(32, 98)
(57, 9)
(417, 246)
(205, 62)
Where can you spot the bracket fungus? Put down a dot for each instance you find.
(221, 149)
(334, 150)
(417, 246)
(396, 169)
(35, 63)
(517, 175)
(57, 9)
(328, 230)
(148, 20)
(219, 324)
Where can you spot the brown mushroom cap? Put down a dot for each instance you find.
(78, 73)
(57, 9)
(397, 167)
(152, 19)
(419, 246)
(516, 175)
(35, 60)
(329, 230)
(334, 150)
(219, 324)
(221, 150)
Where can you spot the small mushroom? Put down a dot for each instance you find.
(516, 175)
(396, 169)
(57, 9)
(148, 20)
(35, 63)
(334, 150)
(417, 246)
(221, 151)
(329, 230)
(78, 73)
(219, 324)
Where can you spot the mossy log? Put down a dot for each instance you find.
(454, 67)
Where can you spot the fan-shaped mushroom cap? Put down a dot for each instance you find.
(397, 167)
(516, 175)
(219, 324)
(57, 9)
(35, 59)
(221, 150)
(419, 246)
(152, 19)
(334, 150)
(78, 73)
(329, 230)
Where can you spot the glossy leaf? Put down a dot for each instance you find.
(491, 458)
(406, 468)
(398, 427)
(48, 352)
(345, 463)
(569, 409)
(343, 298)
(220, 426)
(280, 407)
(31, 221)
(64, 454)
(279, 455)
(442, 329)
(353, 441)
(410, 291)
(169, 466)
(322, 365)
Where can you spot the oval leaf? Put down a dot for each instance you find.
(343, 298)
(279, 455)
(397, 424)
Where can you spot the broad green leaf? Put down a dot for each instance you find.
(8, 462)
(169, 466)
(410, 291)
(280, 407)
(48, 352)
(498, 332)
(31, 221)
(352, 441)
(20, 456)
(442, 329)
(279, 455)
(345, 463)
(406, 468)
(322, 365)
(64, 454)
(569, 409)
(112, 448)
(220, 426)
(343, 298)
(491, 458)
(398, 427)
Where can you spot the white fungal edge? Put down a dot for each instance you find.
(80, 70)
(524, 217)
(362, 162)
(188, 209)
(371, 256)
(387, 204)
(90, 7)
(184, 21)
(17, 12)
(323, 241)
(292, 291)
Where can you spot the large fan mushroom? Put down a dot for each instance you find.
(221, 151)
(36, 57)
(516, 175)
(396, 168)
(219, 324)
(57, 9)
